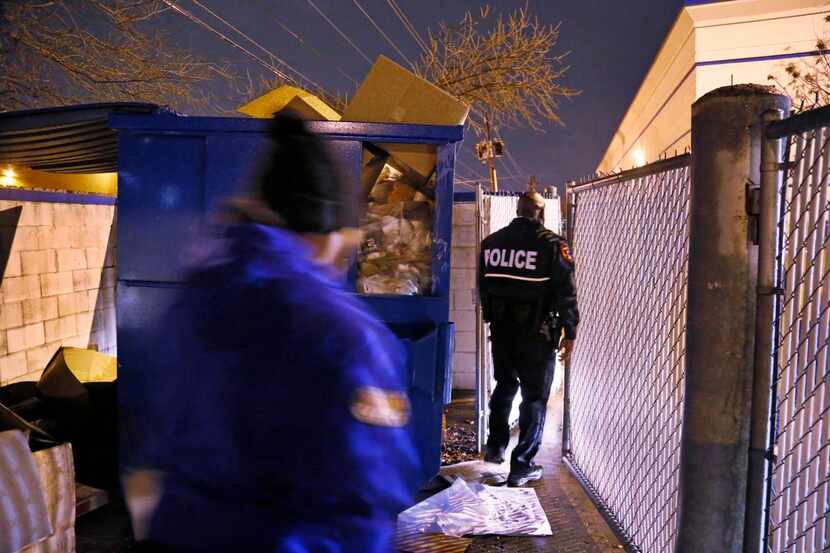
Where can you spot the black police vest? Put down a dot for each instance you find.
(516, 271)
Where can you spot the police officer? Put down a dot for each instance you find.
(529, 298)
(286, 428)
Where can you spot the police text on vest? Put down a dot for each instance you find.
(520, 259)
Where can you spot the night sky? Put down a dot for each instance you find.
(612, 44)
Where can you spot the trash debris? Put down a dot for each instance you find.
(476, 509)
(459, 443)
(396, 254)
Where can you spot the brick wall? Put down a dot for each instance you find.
(462, 294)
(58, 286)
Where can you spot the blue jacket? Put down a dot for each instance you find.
(287, 432)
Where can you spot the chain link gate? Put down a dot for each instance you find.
(798, 517)
(495, 211)
(625, 384)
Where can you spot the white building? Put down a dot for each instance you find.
(711, 44)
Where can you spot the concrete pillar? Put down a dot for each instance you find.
(726, 125)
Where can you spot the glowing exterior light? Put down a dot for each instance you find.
(8, 178)
(639, 157)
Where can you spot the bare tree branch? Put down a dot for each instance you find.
(506, 72)
(807, 81)
(68, 51)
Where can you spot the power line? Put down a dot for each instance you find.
(514, 177)
(472, 171)
(258, 45)
(383, 33)
(317, 52)
(467, 184)
(517, 170)
(407, 24)
(336, 28)
(198, 21)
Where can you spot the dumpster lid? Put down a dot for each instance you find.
(67, 139)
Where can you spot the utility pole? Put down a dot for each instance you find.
(488, 150)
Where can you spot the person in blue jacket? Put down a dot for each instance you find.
(288, 432)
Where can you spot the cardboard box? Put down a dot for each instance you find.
(37, 514)
(57, 477)
(300, 102)
(392, 94)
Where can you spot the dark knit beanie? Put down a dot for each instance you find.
(302, 183)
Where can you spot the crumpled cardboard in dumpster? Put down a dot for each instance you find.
(476, 509)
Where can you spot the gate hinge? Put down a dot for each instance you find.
(753, 198)
(774, 291)
(753, 209)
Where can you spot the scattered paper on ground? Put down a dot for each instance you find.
(477, 509)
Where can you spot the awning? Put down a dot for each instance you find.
(71, 139)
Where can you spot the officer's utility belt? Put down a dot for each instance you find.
(523, 313)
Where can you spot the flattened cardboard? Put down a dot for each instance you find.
(392, 94)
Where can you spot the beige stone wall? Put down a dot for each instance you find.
(58, 287)
(462, 294)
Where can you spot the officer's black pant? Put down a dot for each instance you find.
(520, 359)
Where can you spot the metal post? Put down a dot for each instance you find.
(771, 179)
(721, 318)
(481, 423)
(491, 159)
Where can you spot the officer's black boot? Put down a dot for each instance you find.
(494, 454)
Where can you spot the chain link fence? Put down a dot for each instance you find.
(625, 387)
(799, 483)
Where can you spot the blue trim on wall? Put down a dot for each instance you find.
(23, 195)
(463, 197)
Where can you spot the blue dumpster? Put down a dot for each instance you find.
(173, 170)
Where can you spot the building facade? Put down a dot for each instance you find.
(710, 45)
